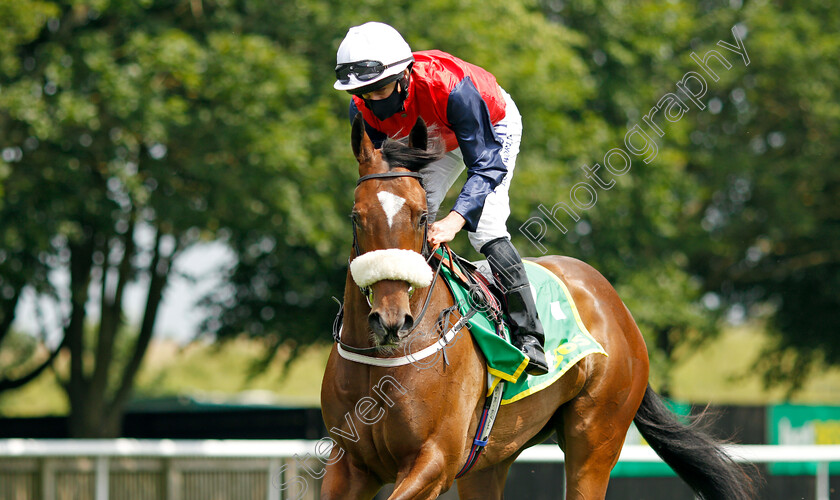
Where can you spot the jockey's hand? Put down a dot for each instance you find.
(445, 229)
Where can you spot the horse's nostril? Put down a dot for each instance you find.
(408, 324)
(375, 322)
(387, 326)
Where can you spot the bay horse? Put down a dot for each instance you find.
(414, 425)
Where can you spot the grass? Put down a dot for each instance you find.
(717, 373)
(209, 372)
(720, 373)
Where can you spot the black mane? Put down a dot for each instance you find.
(399, 154)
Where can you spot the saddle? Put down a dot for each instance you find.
(481, 301)
(477, 278)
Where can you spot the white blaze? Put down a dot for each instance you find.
(391, 204)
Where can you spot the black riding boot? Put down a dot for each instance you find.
(526, 329)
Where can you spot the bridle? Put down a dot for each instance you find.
(427, 249)
(366, 291)
(359, 354)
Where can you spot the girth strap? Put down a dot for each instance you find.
(485, 425)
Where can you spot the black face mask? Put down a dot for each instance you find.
(384, 108)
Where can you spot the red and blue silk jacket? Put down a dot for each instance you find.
(462, 102)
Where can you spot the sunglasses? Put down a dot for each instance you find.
(363, 70)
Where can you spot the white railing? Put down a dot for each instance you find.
(822, 455)
(269, 457)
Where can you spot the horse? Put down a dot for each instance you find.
(414, 425)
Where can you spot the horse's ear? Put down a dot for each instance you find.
(362, 145)
(419, 135)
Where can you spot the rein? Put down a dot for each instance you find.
(337, 324)
(357, 251)
(386, 175)
(359, 354)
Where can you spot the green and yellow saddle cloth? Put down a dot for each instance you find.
(566, 339)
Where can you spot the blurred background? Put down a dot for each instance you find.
(175, 180)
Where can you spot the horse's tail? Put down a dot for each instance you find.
(695, 456)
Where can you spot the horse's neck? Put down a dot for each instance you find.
(355, 328)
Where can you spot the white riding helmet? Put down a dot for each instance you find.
(369, 54)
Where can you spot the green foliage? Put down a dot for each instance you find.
(769, 187)
(134, 138)
(20, 23)
(122, 122)
(17, 349)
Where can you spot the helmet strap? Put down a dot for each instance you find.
(403, 83)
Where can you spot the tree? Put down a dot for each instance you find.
(132, 131)
(20, 23)
(736, 215)
(149, 131)
(768, 169)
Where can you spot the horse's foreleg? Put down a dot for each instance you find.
(343, 480)
(426, 479)
(485, 484)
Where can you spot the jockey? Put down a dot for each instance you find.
(481, 128)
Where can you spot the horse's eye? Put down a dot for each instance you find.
(354, 216)
(424, 218)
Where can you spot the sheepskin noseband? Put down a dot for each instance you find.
(391, 264)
